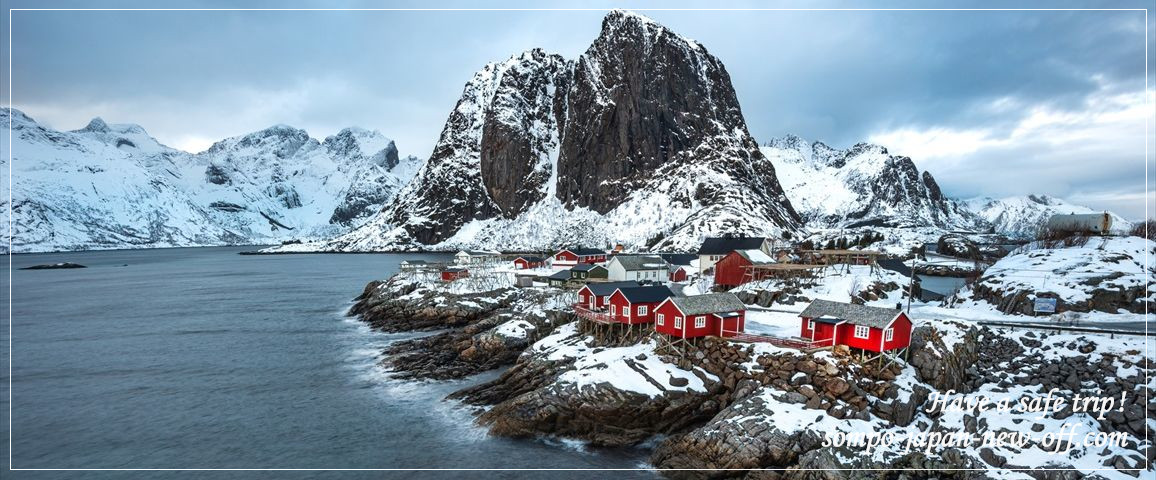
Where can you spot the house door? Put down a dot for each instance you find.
(593, 302)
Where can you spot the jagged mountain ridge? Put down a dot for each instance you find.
(639, 141)
(113, 186)
(864, 185)
(1022, 216)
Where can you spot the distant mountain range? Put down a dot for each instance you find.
(639, 141)
(113, 186)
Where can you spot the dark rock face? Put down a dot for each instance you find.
(643, 97)
(640, 107)
(515, 154)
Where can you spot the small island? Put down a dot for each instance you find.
(54, 266)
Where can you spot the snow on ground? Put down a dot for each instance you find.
(516, 328)
(636, 368)
(838, 283)
(1073, 272)
(773, 323)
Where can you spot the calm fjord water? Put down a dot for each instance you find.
(202, 358)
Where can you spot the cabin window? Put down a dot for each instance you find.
(700, 322)
(811, 325)
(661, 319)
(888, 334)
(678, 322)
(862, 331)
(642, 309)
(603, 299)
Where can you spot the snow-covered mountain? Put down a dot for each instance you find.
(1023, 216)
(114, 186)
(861, 186)
(639, 141)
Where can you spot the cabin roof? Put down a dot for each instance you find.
(606, 288)
(640, 262)
(530, 259)
(456, 269)
(755, 256)
(874, 317)
(648, 294)
(678, 258)
(725, 245)
(561, 275)
(583, 251)
(708, 303)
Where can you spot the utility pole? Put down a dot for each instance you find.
(911, 286)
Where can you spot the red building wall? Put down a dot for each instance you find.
(618, 300)
(678, 275)
(523, 264)
(729, 271)
(823, 331)
(565, 257)
(901, 337)
(584, 295)
(689, 330)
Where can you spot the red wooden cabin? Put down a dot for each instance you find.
(678, 273)
(721, 314)
(731, 271)
(596, 296)
(523, 263)
(631, 305)
(868, 328)
(454, 273)
(573, 256)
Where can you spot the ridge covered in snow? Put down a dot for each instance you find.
(1023, 216)
(113, 186)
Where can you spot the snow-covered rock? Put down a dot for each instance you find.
(861, 186)
(114, 186)
(1106, 274)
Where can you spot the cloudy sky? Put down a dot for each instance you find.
(993, 103)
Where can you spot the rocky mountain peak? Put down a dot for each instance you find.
(361, 145)
(96, 125)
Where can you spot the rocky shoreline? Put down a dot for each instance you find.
(726, 405)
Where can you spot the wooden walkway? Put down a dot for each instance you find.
(594, 316)
(800, 344)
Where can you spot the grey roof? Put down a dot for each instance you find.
(457, 269)
(641, 262)
(586, 267)
(678, 258)
(725, 245)
(874, 317)
(709, 303)
(607, 288)
(649, 294)
(562, 275)
(531, 259)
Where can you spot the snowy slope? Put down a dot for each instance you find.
(114, 186)
(1023, 216)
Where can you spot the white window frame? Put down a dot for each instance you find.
(889, 335)
(811, 325)
(642, 310)
(661, 319)
(604, 299)
(678, 322)
(613, 309)
(700, 321)
(862, 331)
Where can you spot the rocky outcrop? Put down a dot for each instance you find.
(946, 363)
(539, 149)
(483, 330)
